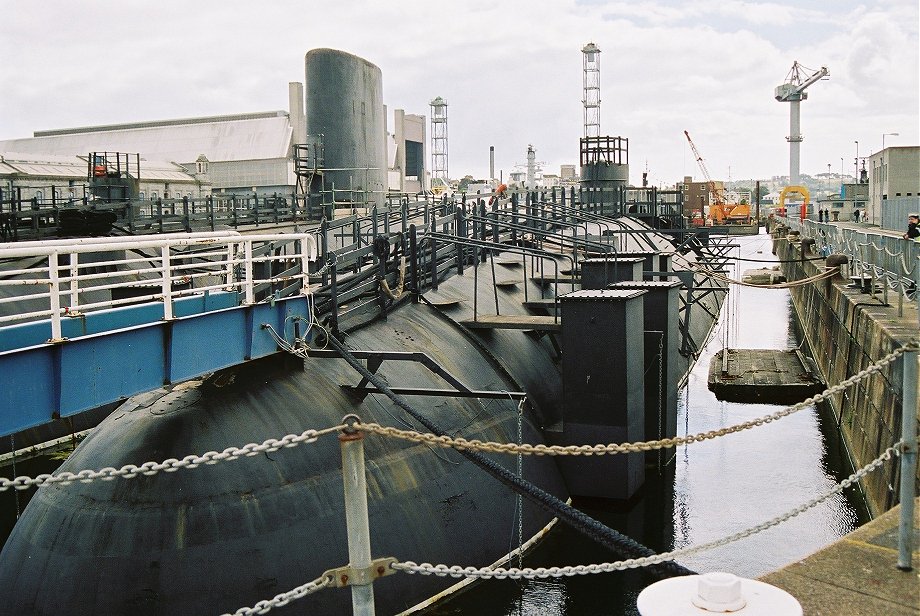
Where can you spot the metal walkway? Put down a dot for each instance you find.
(87, 322)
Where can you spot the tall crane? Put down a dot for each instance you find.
(793, 91)
(719, 211)
(715, 195)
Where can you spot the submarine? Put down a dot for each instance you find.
(593, 300)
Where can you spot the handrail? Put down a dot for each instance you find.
(866, 258)
(231, 263)
(599, 218)
(524, 250)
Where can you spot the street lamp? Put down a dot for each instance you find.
(856, 175)
(883, 138)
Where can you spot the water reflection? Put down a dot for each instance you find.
(715, 488)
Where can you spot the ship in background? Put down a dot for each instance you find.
(587, 304)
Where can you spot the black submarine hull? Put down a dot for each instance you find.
(220, 537)
(224, 536)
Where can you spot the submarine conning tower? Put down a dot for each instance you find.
(345, 117)
(604, 173)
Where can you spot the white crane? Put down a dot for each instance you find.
(793, 91)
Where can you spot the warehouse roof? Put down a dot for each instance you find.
(221, 138)
(70, 167)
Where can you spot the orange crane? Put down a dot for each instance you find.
(719, 211)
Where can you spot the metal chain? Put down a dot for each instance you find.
(461, 443)
(129, 471)
(500, 573)
(330, 260)
(13, 451)
(783, 285)
(264, 606)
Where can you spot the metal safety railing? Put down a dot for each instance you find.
(358, 268)
(63, 279)
(887, 258)
(256, 266)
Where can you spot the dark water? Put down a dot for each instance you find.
(714, 488)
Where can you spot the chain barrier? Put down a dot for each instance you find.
(129, 471)
(457, 571)
(500, 573)
(461, 443)
(782, 285)
(280, 600)
(330, 259)
(850, 245)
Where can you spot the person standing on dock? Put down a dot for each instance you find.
(912, 231)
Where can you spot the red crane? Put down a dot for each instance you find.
(715, 195)
(719, 211)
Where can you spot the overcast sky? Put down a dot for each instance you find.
(510, 71)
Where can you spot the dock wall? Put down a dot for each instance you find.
(847, 330)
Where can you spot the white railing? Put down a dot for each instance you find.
(88, 274)
(887, 257)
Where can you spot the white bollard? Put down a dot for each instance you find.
(716, 593)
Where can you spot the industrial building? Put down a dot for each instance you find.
(887, 190)
(894, 185)
(568, 176)
(852, 198)
(406, 153)
(696, 195)
(248, 153)
(49, 178)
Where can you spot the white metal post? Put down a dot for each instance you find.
(166, 282)
(304, 265)
(909, 399)
(55, 298)
(795, 138)
(359, 534)
(74, 283)
(247, 266)
(231, 250)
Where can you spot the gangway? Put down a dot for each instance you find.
(88, 322)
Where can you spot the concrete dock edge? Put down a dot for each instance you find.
(857, 575)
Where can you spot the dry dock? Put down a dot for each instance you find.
(857, 576)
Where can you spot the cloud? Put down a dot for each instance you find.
(511, 71)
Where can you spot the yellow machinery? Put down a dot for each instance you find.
(801, 190)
